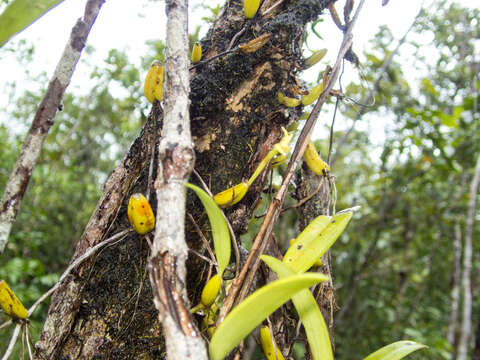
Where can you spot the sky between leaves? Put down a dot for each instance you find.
(129, 24)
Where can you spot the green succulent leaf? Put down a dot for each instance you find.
(309, 312)
(313, 229)
(220, 234)
(254, 309)
(21, 13)
(395, 351)
(305, 251)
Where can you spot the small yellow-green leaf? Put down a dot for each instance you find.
(254, 309)
(220, 234)
(395, 351)
(21, 13)
(303, 253)
(309, 312)
(313, 229)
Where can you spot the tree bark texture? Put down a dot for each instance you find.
(105, 309)
(169, 252)
(455, 293)
(466, 327)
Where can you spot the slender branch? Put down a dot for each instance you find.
(44, 118)
(242, 283)
(89, 252)
(203, 238)
(176, 159)
(373, 90)
(12, 342)
(308, 197)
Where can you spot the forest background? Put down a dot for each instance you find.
(409, 162)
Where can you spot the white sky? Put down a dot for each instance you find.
(125, 24)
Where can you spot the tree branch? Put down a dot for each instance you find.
(43, 121)
(176, 158)
(371, 94)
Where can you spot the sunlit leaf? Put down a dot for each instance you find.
(220, 234)
(21, 13)
(308, 311)
(395, 351)
(9, 302)
(303, 253)
(254, 309)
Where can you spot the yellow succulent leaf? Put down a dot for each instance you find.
(250, 8)
(10, 303)
(269, 347)
(231, 196)
(306, 251)
(314, 161)
(153, 87)
(313, 95)
(211, 289)
(287, 101)
(196, 53)
(140, 214)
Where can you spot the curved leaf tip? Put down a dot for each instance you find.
(254, 309)
(395, 351)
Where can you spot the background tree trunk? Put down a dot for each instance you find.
(105, 308)
(455, 294)
(466, 327)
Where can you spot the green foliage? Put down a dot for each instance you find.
(220, 234)
(308, 311)
(313, 245)
(395, 351)
(89, 136)
(21, 13)
(245, 317)
(393, 268)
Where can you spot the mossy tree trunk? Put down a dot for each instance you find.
(105, 309)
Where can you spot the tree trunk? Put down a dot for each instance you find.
(466, 328)
(476, 349)
(105, 308)
(455, 294)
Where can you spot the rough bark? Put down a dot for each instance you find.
(455, 293)
(106, 308)
(108, 294)
(466, 327)
(44, 118)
